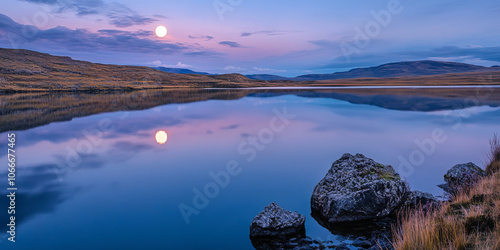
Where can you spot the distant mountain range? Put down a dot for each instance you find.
(398, 69)
(180, 71)
(266, 77)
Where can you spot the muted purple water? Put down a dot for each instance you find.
(102, 181)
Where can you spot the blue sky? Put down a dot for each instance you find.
(256, 37)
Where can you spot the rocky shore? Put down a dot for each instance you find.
(359, 201)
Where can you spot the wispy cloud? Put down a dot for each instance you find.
(265, 32)
(121, 146)
(181, 65)
(158, 63)
(117, 14)
(259, 69)
(138, 33)
(207, 53)
(483, 53)
(232, 68)
(326, 43)
(159, 16)
(234, 126)
(77, 39)
(201, 37)
(231, 44)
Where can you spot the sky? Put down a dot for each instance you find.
(287, 38)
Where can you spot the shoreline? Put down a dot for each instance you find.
(371, 87)
(468, 219)
(301, 87)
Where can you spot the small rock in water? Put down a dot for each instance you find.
(277, 228)
(362, 242)
(274, 221)
(340, 248)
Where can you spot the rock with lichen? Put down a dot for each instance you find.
(462, 177)
(274, 221)
(357, 188)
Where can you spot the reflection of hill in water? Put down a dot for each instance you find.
(407, 99)
(27, 110)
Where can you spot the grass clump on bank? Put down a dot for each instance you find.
(471, 220)
(494, 156)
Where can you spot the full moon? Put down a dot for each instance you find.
(161, 31)
(161, 137)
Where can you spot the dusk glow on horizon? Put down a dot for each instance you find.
(256, 37)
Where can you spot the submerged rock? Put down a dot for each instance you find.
(462, 177)
(357, 188)
(362, 242)
(274, 221)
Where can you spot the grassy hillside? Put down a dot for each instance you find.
(24, 70)
(34, 71)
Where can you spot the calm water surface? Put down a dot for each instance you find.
(103, 182)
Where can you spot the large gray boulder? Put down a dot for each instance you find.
(462, 177)
(357, 188)
(274, 221)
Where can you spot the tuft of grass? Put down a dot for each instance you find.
(471, 220)
(388, 176)
(493, 167)
(480, 223)
(494, 155)
(385, 175)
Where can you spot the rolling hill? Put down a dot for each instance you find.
(267, 77)
(22, 70)
(398, 69)
(30, 71)
(180, 71)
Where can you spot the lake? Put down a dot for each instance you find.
(91, 175)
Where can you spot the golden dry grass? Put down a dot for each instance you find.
(494, 156)
(471, 220)
(24, 70)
